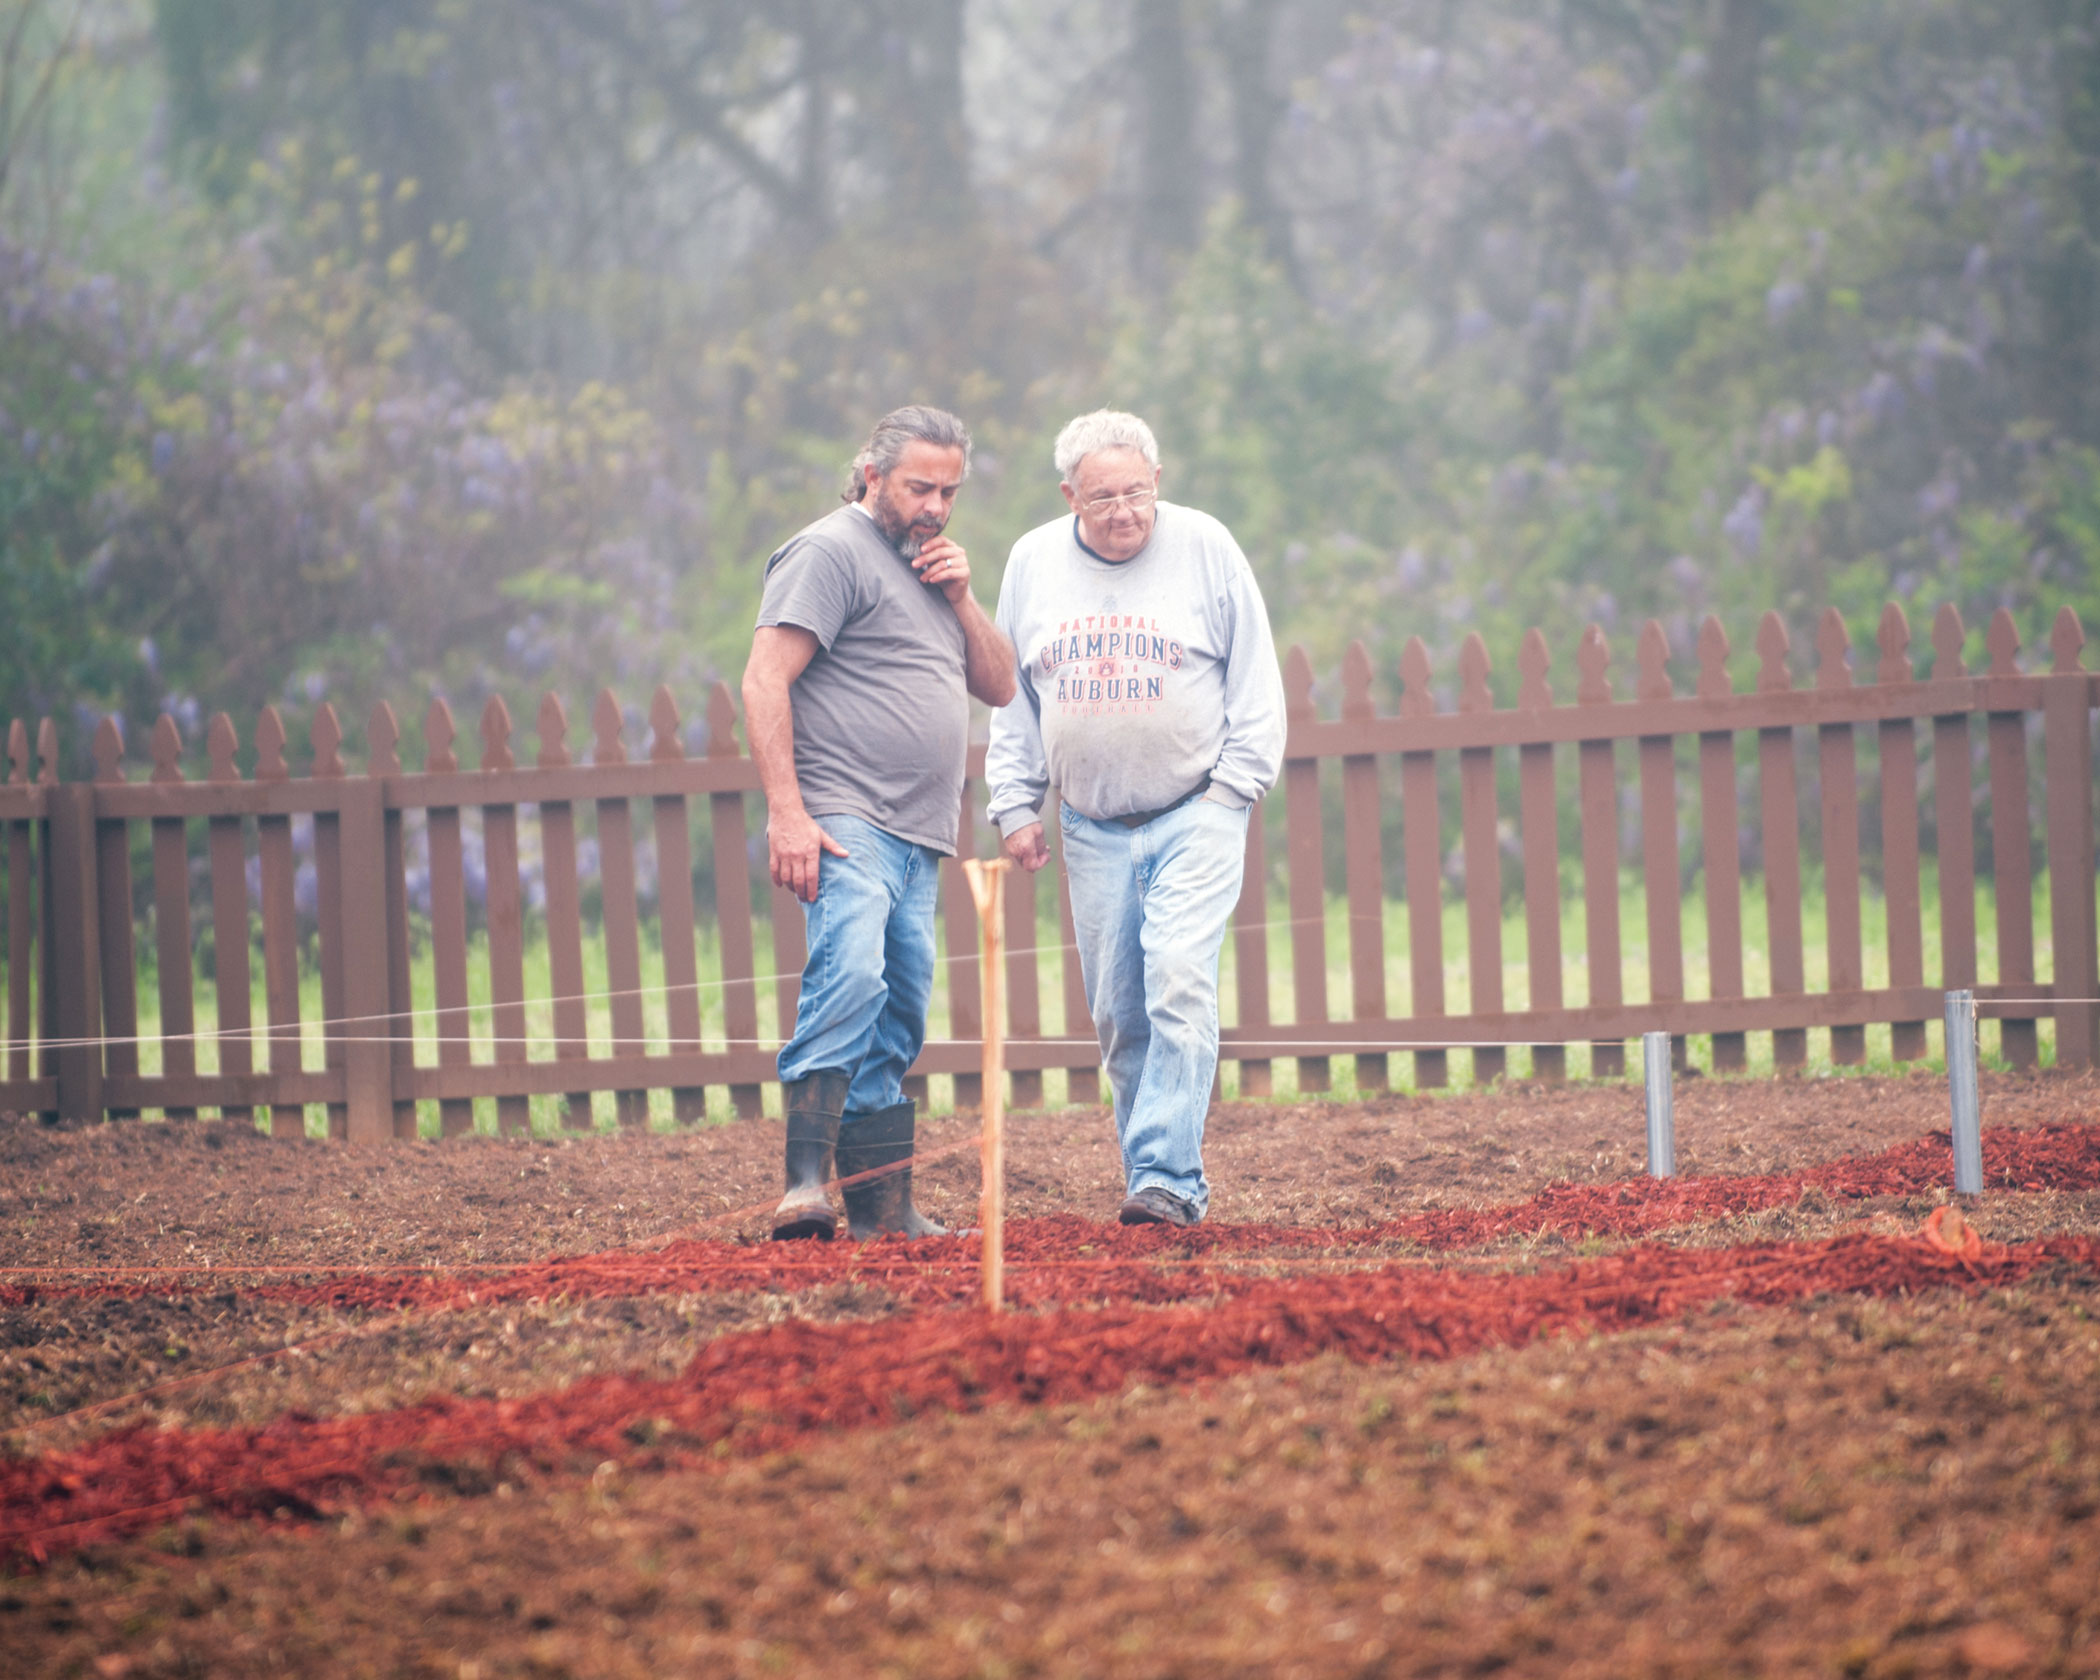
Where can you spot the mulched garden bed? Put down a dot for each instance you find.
(285, 1404)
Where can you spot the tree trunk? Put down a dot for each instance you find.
(914, 96)
(1248, 34)
(2070, 271)
(1732, 129)
(1170, 187)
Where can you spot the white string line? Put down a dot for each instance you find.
(1237, 1049)
(1233, 1049)
(265, 1030)
(272, 1032)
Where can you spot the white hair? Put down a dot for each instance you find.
(1105, 428)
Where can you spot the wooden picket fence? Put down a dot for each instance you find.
(74, 924)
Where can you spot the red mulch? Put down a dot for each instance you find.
(755, 1393)
(1062, 1259)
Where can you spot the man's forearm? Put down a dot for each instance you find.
(769, 719)
(988, 657)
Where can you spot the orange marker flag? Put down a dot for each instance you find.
(988, 887)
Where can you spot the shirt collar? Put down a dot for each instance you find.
(1087, 548)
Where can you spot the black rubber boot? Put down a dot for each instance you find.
(813, 1109)
(882, 1203)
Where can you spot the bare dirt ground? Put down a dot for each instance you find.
(1880, 1484)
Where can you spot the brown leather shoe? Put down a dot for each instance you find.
(1154, 1206)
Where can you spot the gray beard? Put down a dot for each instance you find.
(907, 541)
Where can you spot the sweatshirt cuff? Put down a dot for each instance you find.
(1225, 794)
(1012, 822)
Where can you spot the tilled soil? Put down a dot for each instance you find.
(1842, 1485)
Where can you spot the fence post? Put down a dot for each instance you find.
(368, 1073)
(1961, 1091)
(75, 947)
(1662, 1122)
(2067, 747)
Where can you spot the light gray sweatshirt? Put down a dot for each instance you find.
(1139, 679)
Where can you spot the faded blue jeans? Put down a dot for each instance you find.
(869, 975)
(1150, 907)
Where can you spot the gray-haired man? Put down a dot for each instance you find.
(1150, 696)
(868, 642)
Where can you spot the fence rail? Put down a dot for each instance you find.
(76, 926)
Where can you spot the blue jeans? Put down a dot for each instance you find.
(869, 975)
(1150, 907)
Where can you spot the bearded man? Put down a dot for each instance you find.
(1150, 697)
(868, 645)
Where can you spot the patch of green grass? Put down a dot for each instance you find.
(548, 1113)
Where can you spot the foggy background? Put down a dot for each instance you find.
(382, 347)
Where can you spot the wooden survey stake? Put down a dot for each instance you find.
(988, 887)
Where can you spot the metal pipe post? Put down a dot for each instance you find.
(1962, 1095)
(1662, 1123)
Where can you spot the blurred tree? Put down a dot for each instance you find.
(35, 43)
(1247, 39)
(1467, 317)
(2070, 281)
(1170, 182)
(1732, 126)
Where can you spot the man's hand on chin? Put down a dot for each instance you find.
(943, 564)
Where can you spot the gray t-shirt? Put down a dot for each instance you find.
(882, 715)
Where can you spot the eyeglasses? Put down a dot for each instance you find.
(1136, 500)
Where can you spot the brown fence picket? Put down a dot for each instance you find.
(396, 1034)
(328, 898)
(280, 925)
(1902, 889)
(22, 901)
(1660, 858)
(505, 910)
(1480, 842)
(171, 921)
(564, 912)
(120, 983)
(733, 901)
(47, 944)
(228, 857)
(1721, 843)
(1598, 794)
(1539, 822)
(1953, 815)
(674, 907)
(2012, 864)
(620, 912)
(1250, 949)
(1838, 769)
(1305, 858)
(448, 919)
(71, 986)
(1364, 869)
(1780, 807)
(1421, 830)
(2067, 747)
